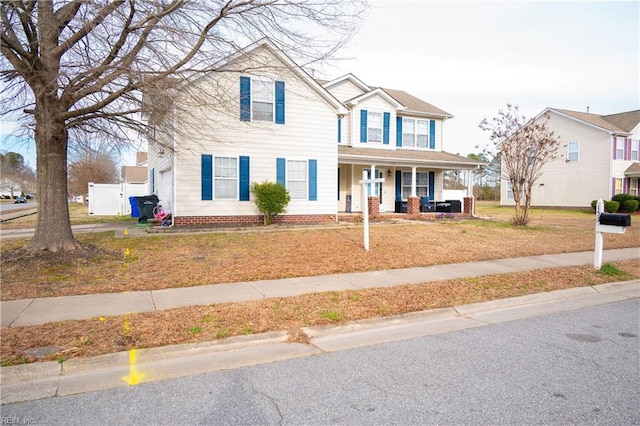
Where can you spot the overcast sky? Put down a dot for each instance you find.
(472, 58)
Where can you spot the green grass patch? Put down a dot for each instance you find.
(195, 330)
(330, 315)
(612, 270)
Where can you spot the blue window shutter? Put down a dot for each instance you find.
(279, 102)
(207, 176)
(398, 185)
(386, 118)
(244, 178)
(363, 125)
(432, 184)
(432, 135)
(281, 170)
(152, 180)
(313, 180)
(245, 99)
(398, 131)
(339, 130)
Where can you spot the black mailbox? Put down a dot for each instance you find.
(615, 219)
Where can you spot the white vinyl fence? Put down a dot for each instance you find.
(112, 199)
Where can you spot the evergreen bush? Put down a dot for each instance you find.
(611, 206)
(629, 206)
(623, 197)
(271, 199)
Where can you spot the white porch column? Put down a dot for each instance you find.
(413, 181)
(373, 191)
(470, 183)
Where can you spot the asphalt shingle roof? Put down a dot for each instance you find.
(622, 122)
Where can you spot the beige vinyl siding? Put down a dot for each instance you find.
(373, 104)
(438, 134)
(309, 132)
(573, 184)
(345, 90)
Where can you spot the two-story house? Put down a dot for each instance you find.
(392, 134)
(599, 157)
(260, 117)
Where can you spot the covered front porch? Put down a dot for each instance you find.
(413, 181)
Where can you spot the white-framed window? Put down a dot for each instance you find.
(422, 184)
(225, 176)
(297, 179)
(633, 186)
(415, 133)
(510, 192)
(619, 149)
(618, 186)
(635, 150)
(573, 151)
(262, 100)
(374, 126)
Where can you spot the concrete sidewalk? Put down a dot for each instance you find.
(50, 309)
(49, 379)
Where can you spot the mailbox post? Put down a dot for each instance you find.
(610, 223)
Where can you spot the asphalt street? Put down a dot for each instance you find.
(578, 366)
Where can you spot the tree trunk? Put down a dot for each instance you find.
(53, 228)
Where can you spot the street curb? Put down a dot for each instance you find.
(49, 379)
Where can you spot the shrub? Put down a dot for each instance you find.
(629, 206)
(622, 197)
(611, 206)
(271, 199)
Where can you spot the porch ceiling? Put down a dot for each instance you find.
(406, 158)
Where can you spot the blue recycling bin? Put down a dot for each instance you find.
(135, 212)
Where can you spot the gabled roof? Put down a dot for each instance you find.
(376, 92)
(352, 78)
(621, 123)
(399, 157)
(409, 104)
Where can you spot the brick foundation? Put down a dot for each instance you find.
(374, 206)
(413, 205)
(251, 220)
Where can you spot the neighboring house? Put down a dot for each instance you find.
(138, 173)
(599, 157)
(271, 121)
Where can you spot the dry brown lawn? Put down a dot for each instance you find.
(178, 260)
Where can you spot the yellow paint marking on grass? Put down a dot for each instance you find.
(134, 377)
(127, 252)
(126, 232)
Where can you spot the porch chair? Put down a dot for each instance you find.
(425, 205)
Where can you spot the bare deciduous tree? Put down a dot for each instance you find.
(80, 66)
(90, 162)
(524, 146)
